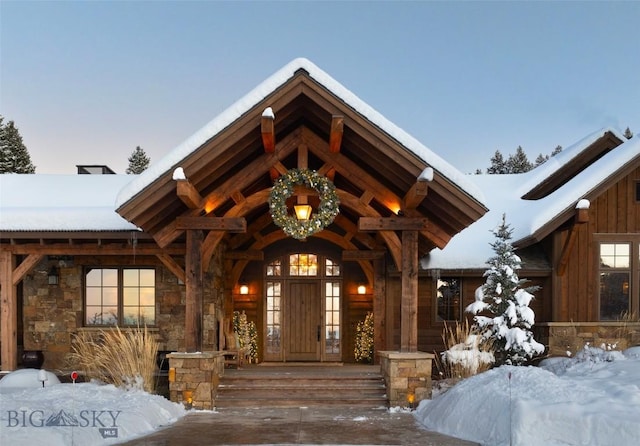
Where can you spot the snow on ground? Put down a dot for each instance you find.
(77, 414)
(591, 399)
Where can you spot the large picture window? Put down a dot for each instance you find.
(120, 296)
(619, 277)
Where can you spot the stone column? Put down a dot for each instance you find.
(407, 376)
(195, 376)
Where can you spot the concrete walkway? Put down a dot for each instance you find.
(286, 426)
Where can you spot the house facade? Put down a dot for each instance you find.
(394, 230)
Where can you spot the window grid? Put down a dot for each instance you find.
(303, 265)
(332, 317)
(274, 313)
(615, 280)
(120, 296)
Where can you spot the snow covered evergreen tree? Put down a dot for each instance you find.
(138, 161)
(541, 159)
(14, 156)
(506, 301)
(498, 164)
(518, 162)
(628, 133)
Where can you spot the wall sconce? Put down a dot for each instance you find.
(303, 211)
(244, 289)
(362, 289)
(54, 276)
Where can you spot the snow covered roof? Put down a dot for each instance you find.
(470, 248)
(231, 114)
(61, 203)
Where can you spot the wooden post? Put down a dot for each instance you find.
(8, 313)
(409, 306)
(194, 292)
(379, 308)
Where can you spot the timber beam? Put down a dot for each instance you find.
(370, 254)
(172, 266)
(95, 249)
(228, 224)
(581, 217)
(335, 137)
(416, 194)
(26, 266)
(393, 224)
(268, 132)
(250, 254)
(188, 194)
(8, 313)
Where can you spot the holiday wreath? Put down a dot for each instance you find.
(284, 188)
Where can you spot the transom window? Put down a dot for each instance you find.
(303, 265)
(120, 296)
(619, 277)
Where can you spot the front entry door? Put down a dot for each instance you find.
(303, 322)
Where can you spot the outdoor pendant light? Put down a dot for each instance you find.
(303, 211)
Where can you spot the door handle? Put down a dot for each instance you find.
(318, 333)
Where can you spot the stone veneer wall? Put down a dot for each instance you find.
(51, 315)
(406, 374)
(195, 376)
(568, 338)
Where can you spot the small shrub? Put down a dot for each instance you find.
(126, 359)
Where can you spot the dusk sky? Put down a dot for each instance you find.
(87, 82)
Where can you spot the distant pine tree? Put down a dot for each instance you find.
(138, 161)
(498, 164)
(628, 133)
(518, 162)
(541, 159)
(14, 156)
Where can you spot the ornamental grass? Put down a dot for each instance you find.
(126, 359)
(466, 354)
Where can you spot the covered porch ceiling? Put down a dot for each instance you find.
(231, 174)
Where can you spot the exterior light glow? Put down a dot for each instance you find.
(303, 211)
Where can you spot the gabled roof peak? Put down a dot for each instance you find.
(172, 160)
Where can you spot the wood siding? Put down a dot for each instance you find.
(613, 213)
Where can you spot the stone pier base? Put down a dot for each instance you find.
(194, 378)
(407, 376)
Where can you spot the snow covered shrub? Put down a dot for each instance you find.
(506, 302)
(604, 353)
(364, 339)
(467, 352)
(126, 359)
